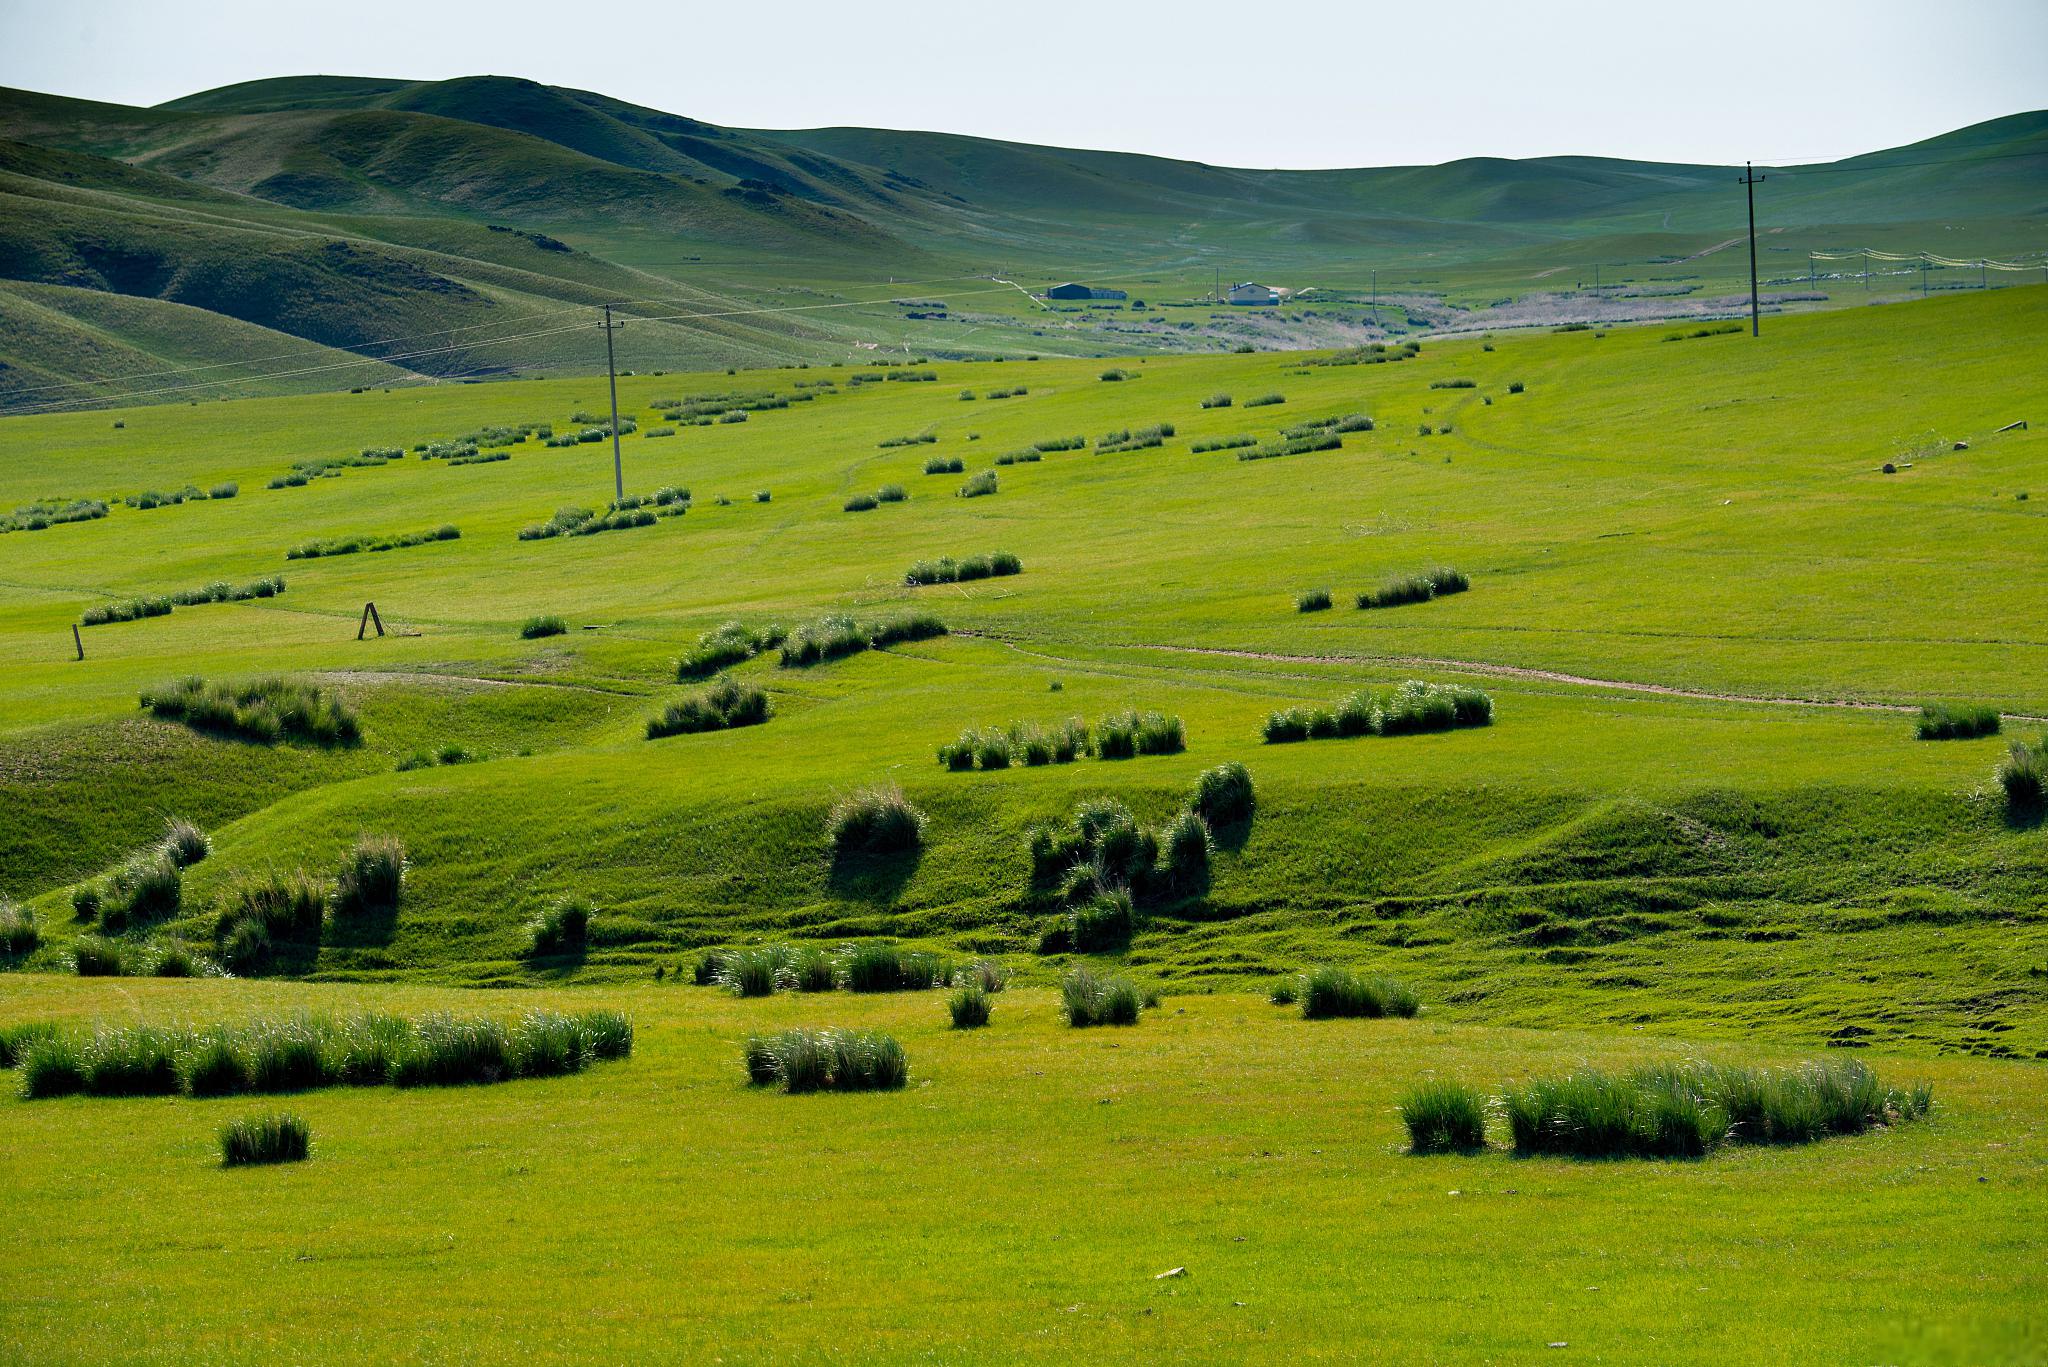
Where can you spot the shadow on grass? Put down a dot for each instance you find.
(1232, 835)
(878, 878)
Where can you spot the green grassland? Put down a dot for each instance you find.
(1705, 516)
(1016, 1204)
(1700, 826)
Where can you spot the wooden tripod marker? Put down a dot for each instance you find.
(370, 618)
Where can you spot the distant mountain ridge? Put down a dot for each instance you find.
(346, 210)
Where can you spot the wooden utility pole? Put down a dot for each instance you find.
(612, 370)
(1749, 180)
(77, 640)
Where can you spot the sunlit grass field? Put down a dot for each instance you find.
(1016, 1203)
(1699, 825)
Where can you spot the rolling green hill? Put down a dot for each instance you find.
(346, 211)
(1703, 610)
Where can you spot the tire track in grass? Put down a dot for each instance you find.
(1500, 671)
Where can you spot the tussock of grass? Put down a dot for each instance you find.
(2023, 776)
(1686, 1110)
(877, 966)
(1127, 439)
(1416, 588)
(969, 1007)
(563, 927)
(1223, 443)
(1957, 721)
(1293, 446)
(1223, 795)
(1185, 850)
(724, 646)
(1265, 400)
(184, 844)
(95, 957)
(727, 703)
(1312, 600)
(535, 628)
(1412, 708)
(1025, 457)
(266, 711)
(19, 938)
(265, 1139)
(979, 485)
(51, 512)
(827, 1060)
(1444, 1117)
(301, 1053)
(1329, 992)
(1126, 734)
(371, 877)
(351, 545)
(1020, 743)
(1216, 401)
(573, 521)
(1088, 998)
(1061, 444)
(15, 1040)
(872, 824)
(947, 570)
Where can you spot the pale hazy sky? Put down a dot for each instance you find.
(1308, 83)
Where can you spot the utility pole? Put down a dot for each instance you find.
(1375, 298)
(1749, 180)
(612, 370)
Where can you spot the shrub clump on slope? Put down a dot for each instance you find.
(725, 704)
(1410, 709)
(267, 711)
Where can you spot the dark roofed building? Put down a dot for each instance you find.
(1073, 291)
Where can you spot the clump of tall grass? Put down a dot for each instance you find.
(264, 908)
(947, 570)
(1029, 456)
(19, 934)
(1222, 443)
(1123, 735)
(1328, 992)
(1412, 708)
(1443, 1117)
(1223, 795)
(1101, 846)
(836, 636)
(1088, 998)
(969, 1006)
(1416, 588)
(1185, 849)
(827, 1060)
(149, 885)
(95, 957)
(563, 927)
(874, 823)
(372, 876)
(724, 646)
(265, 1139)
(2023, 775)
(1312, 600)
(16, 1040)
(914, 626)
(1265, 400)
(548, 624)
(1061, 444)
(266, 711)
(352, 545)
(1684, 1110)
(944, 465)
(1957, 721)
(727, 703)
(877, 966)
(184, 844)
(1454, 384)
(1129, 439)
(1020, 743)
(1216, 401)
(978, 485)
(861, 503)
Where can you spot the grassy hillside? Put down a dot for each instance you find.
(291, 205)
(1702, 610)
(1036, 1180)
